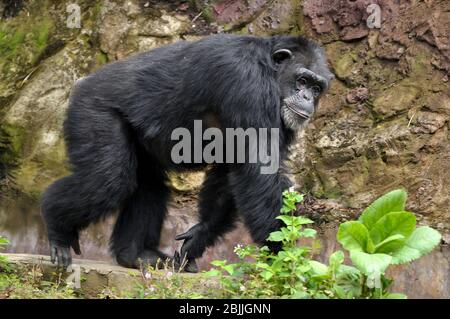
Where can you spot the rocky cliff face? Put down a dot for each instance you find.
(384, 123)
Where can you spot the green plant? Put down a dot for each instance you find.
(165, 282)
(4, 266)
(287, 274)
(385, 234)
(27, 281)
(3, 242)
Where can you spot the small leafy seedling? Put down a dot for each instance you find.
(386, 234)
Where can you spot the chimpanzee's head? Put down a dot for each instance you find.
(303, 76)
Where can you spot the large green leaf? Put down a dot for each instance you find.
(317, 268)
(390, 244)
(353, 235)
(391, 202)
(421, 242)
(395, 223)
(405, 255)
(370, 264)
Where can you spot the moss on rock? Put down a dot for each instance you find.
(11, 144)
(397, 99)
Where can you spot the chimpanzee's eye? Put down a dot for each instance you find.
(316, 90)
(302, 80)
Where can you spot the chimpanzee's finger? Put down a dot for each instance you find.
(53, 252)
(66, 257)
(76, 247)
(195, 230)
(63, 260)
(176, 259)
(60, 257)
(186, 235)
(191, 266)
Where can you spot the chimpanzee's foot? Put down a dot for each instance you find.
(154, 258)
(61, 254)
(159, 260)
(149, 257)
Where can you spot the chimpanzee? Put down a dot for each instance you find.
(119, 128)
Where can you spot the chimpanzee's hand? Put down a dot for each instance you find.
(188, 265)
(61, 254)
(192, 238)
(191, 246)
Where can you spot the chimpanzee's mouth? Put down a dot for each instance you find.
(302, 114)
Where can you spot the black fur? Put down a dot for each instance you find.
(118, 130)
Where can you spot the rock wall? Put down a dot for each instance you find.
(384, 123)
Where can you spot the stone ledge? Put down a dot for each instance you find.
(96, 276)
(427, 277)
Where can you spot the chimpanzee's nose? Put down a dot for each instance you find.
(306, 96)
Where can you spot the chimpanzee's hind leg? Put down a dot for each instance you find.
(217, 215)
(104, 176)
(136, 235)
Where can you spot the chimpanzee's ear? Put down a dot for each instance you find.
(281, 55)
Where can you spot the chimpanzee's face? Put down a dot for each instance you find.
(303, 79)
